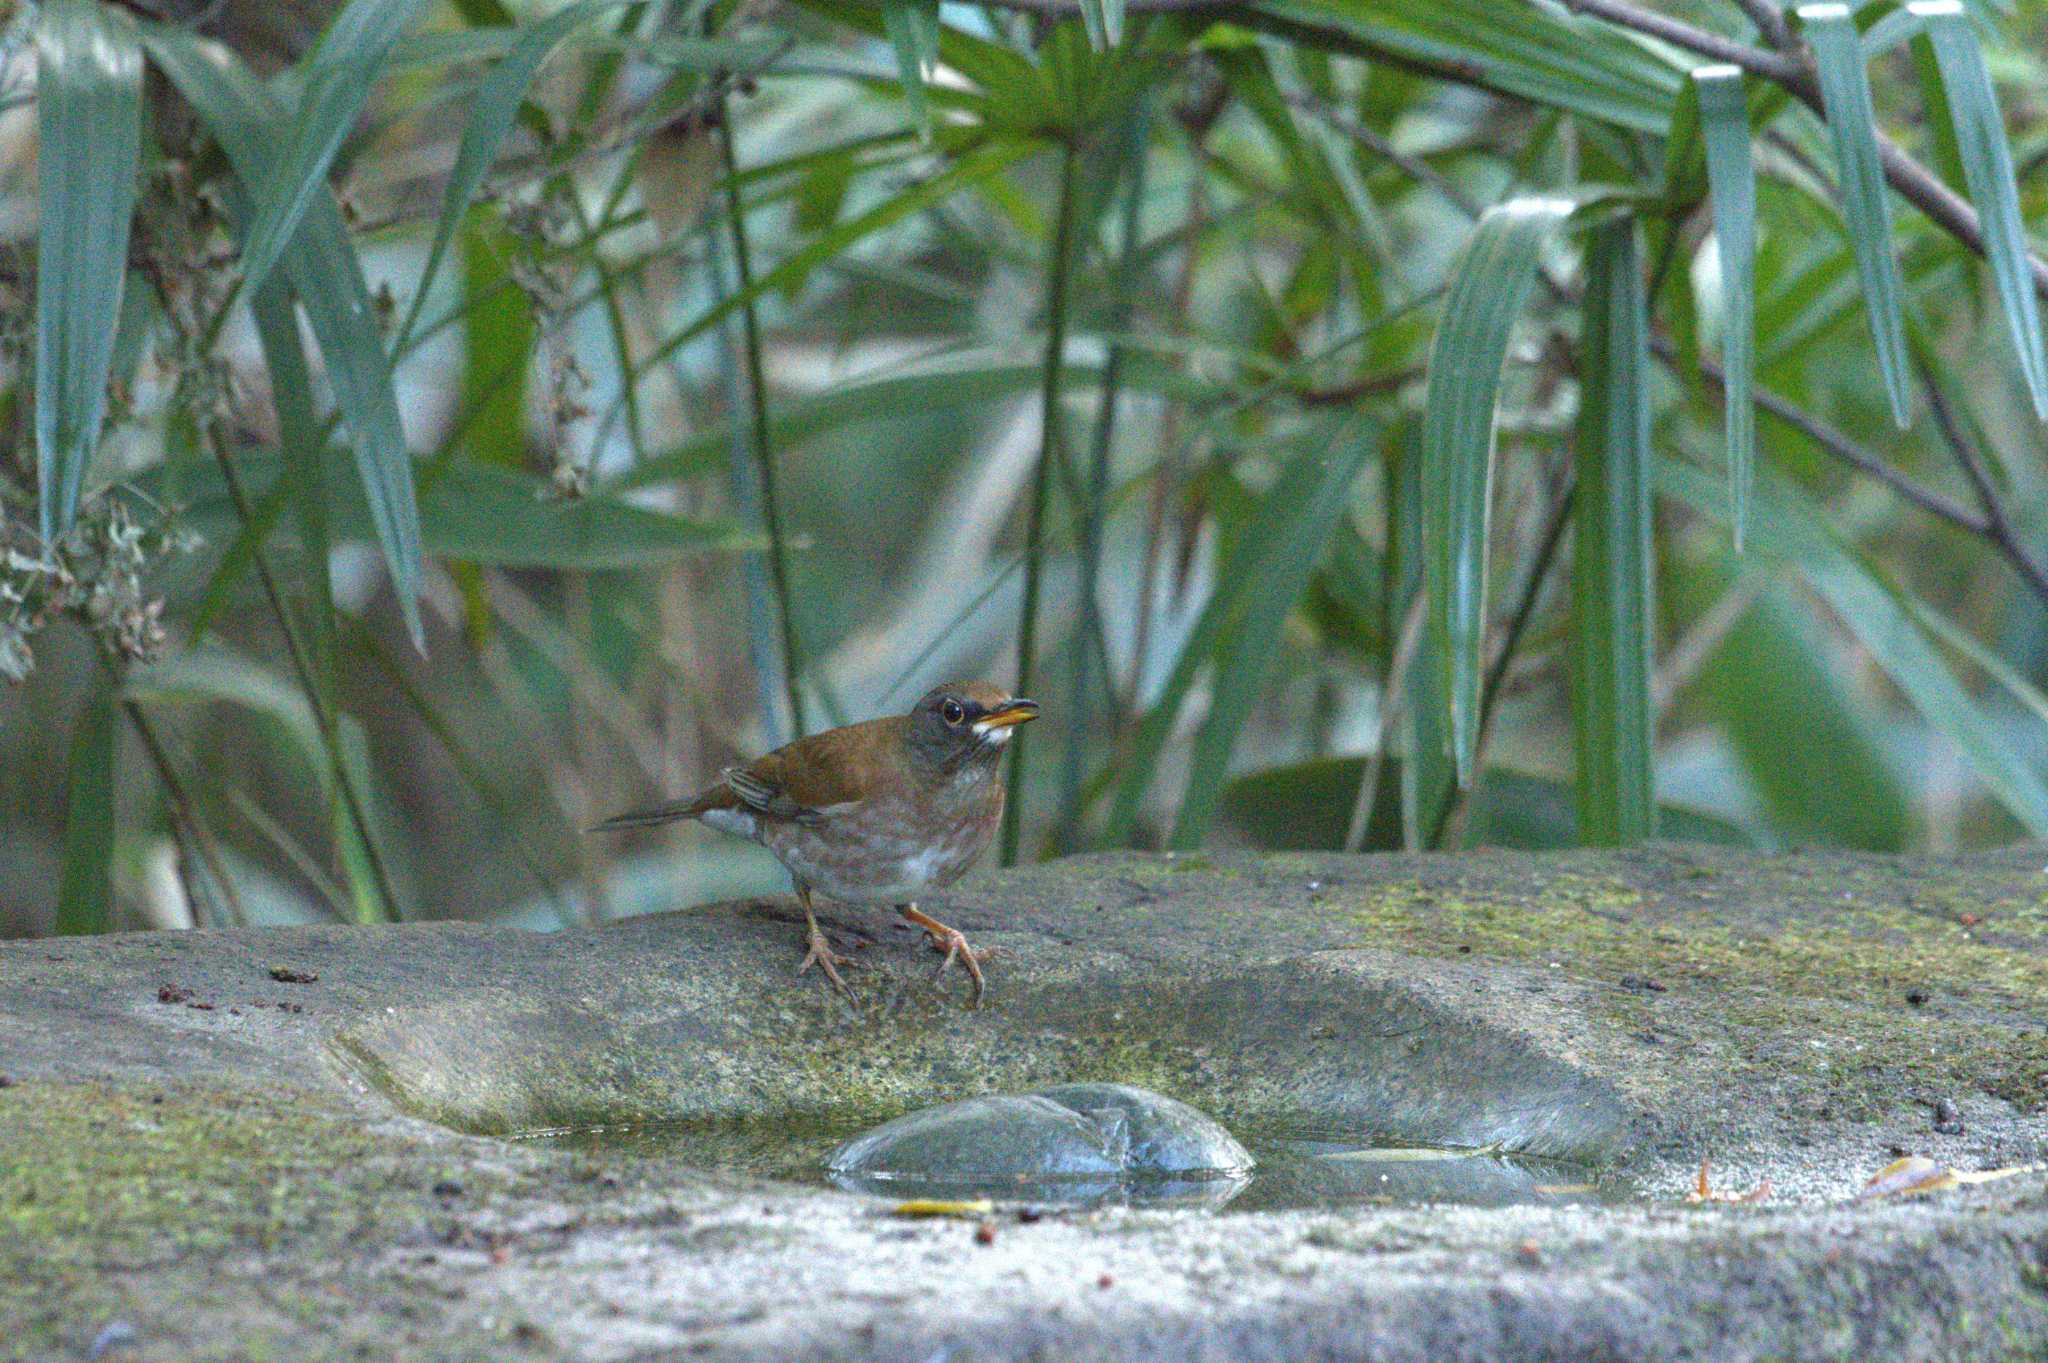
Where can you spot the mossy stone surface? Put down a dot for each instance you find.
(238, 1166)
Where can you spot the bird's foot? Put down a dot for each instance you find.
(953, 943)
(827, 960)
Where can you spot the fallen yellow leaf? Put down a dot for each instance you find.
(1917, 1174)
(926, 1206)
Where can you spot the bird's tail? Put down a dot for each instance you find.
(651, 816)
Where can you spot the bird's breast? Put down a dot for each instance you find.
(887, 850)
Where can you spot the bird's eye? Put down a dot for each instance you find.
(952, 712)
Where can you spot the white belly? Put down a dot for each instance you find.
(885, 867)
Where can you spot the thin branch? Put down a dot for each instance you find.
(1059, 272)
(1550, 538)
(185, 812)
(1773, 66)
(1840, 446)
(1997, 527)
(757, 411)
(302, 667)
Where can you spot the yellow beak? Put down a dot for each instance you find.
(1010, 713)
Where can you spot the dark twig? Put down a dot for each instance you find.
(757, 410)
(185, 818)
(1841, 447)
(1997, 527)
(302, 667)
(1549, 539)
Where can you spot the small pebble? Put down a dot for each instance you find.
(985, 1233)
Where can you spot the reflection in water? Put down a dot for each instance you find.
(1292, 1173)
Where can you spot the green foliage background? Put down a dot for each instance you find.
(1367, 423)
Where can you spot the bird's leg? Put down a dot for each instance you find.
(821, 953)
(953, 942)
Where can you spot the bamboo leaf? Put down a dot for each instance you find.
(1247, 658)
(1731, 178)
(1611, 566)
(1095, 19)
(1492, 280)
(1428, 776)
(89, 123)
(337, 78)
(85, 885)
(491, 116)
(1247, 565)
(968, 169)
(913, 28)
(1986, 160)
(328, 279)
(1533, 52)
(491, 514)
(1791, 526)
(1852, 127)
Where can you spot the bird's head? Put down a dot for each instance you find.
(965, 724)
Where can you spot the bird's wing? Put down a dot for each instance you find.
(806, 779)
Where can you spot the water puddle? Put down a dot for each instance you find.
(1292, 1171)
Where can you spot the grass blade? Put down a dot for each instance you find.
(89, 122)
(338, 76)
(85, 886)
(913, 28)
(1731, 179)
(1491, 282)
(1238, 579)
(1248, 655)
(491, 116)
(1611, 564)
(1852, 127)
(1986, 160)
(322, 267)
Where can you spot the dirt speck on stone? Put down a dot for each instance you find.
(173, 993)
(985, 1233)
(284, 974)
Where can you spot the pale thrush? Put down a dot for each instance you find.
(873, 813)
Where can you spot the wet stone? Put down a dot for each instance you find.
(1070, 1142)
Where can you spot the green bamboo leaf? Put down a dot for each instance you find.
(209, 675)
(1731, 177)
(488, 513)
(913, 28)
(1791, 526)
(1611, 566)
(1986, 159)
(1246, 657)
(1852, 127)
(491, 116)
(337, 77)
(85, 885)
(89, 124)
(1492, 280)
(321, 265)
(1533, 52)
(1249, 563)
(968, 169)
(1095, 19)
(1428, 777)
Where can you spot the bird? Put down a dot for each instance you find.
(873, 813)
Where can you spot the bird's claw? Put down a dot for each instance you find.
(953, 943)
(827, 960)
